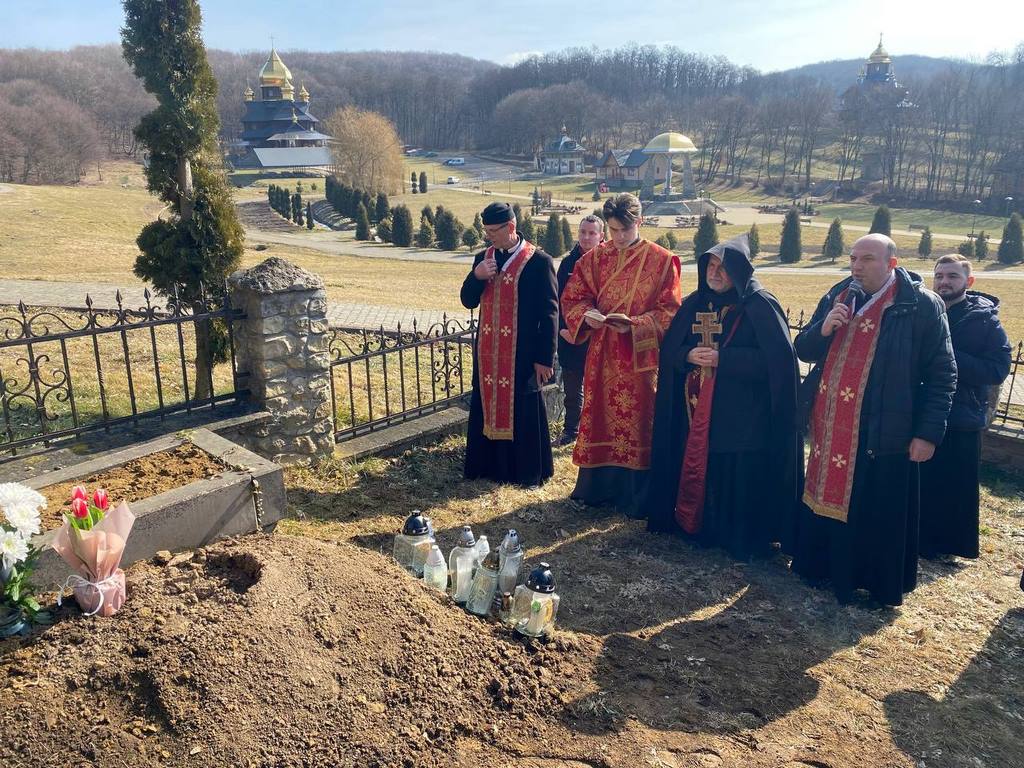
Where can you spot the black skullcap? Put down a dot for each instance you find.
(497, 213)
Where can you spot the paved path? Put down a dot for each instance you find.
(39, 293)
(344, 244)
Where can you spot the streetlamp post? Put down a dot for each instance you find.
(974, 220)
(1009, 202)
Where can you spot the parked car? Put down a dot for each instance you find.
(430, 154)
(453, 179)
(455, 161)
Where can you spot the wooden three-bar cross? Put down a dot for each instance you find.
(707, 327)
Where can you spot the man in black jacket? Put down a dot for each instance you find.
(572, 358)
(949, 482)
(877, 399)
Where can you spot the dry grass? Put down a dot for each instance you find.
(87, 233)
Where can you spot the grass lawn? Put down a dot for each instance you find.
(257, 189)
(87, 232)
(902, 218)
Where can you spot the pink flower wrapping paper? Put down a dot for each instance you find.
(95, 556)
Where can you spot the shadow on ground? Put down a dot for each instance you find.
(978, 720)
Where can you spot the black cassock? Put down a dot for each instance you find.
(949, 481)
(751, 480)
(908, 394)
(526, 459)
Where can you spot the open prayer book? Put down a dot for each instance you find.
(615, 318)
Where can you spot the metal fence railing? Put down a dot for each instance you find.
(66, 372)
(380, 378)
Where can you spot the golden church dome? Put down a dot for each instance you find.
(274, 72)
(880, 55)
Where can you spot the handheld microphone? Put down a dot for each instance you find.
(854, 295)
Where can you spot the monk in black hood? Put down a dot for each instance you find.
(726, 452)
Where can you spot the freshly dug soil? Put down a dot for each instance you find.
(138, 479)
(277, 651)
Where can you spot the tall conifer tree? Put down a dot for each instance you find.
(924, 247)
(199, 241)
(882, 222)
(707, 235)
(833, 247)
(401, 226)
(1011, 248)
(790, 248)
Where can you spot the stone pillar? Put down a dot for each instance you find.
(647, 187)
(689, 188)
(282, 344)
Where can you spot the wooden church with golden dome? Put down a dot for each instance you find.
(278, 130)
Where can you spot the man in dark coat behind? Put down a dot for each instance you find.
(949, 482)
(877, 400)
(513, 284)
(726, 450)
(572, 358)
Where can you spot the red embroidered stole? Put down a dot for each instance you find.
(699, 392)
(835, 418)
(496, 345)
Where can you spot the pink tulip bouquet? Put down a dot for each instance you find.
(92, 541)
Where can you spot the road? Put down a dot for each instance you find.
(344, 244)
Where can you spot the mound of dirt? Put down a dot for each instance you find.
(278, 651)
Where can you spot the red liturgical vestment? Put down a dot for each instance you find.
(496, 351)
(835, 420)
(621, 372)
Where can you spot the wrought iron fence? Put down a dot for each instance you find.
(380, 378)
(64, 373)
(1010, 408)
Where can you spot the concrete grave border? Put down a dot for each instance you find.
(186, 517)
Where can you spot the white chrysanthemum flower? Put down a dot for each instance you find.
(16, 494)
(13, 548)
(25, 518)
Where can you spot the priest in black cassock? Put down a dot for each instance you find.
(949, 482)
(877, 400)
(513, 285)
(725, 455)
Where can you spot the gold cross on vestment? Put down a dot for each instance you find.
(707, 326)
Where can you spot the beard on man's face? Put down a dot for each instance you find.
(950, 294)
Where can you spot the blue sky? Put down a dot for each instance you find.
(767, 34)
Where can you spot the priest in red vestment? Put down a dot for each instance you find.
(877, 401)
(621, 298)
